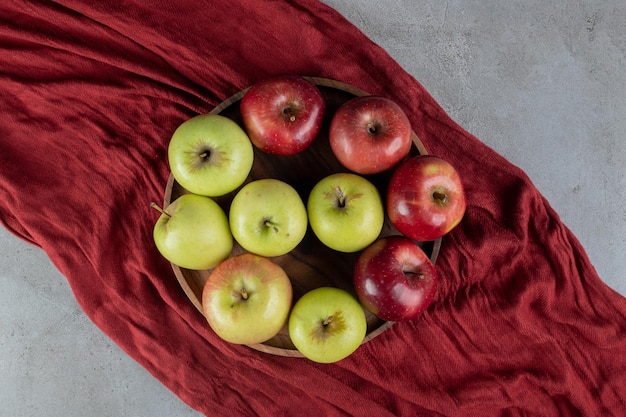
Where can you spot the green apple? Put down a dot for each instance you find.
(268, 217)
(327, 324)
(193, 233)
(346, 212)
(210, 155)
(247, 299)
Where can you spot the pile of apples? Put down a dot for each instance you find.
(248, 298)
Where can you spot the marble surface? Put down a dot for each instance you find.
(540, 82)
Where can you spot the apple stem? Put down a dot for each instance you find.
(244, 294)
(159, 209)
(411, 274)
(371, 128)
(341, 198)
(288, 112)
(268, 223)
(441, 198)
(328, 320)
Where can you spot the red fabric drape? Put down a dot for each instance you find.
(91, 92)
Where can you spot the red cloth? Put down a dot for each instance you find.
(91, 92)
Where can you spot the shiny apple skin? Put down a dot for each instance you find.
(394, 279)
(283, 115)
(256, 316)
(370, 134)
(425, 198)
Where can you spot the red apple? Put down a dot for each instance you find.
(370, 134)
(425, 198)
(283, 115)
(394, 279)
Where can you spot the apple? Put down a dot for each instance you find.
(210, 155)
(425, 198)
(370, 134)
(346, 212)
(327, 324)
(247, 299)
(192, 232)
(283, 114)
(268, 217)
(394, 279)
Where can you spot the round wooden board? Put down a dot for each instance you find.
(311, 264)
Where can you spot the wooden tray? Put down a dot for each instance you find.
(311, 264)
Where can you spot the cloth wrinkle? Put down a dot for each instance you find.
(521, 325)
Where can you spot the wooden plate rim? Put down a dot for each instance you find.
(320, 81)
